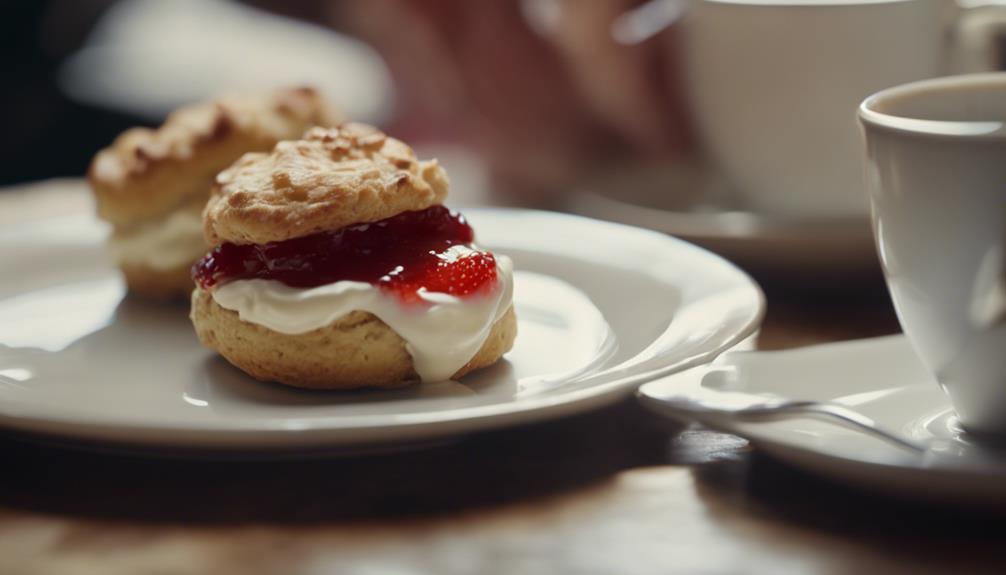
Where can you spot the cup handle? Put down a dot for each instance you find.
(978, 36)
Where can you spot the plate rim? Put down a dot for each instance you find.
(427, 425)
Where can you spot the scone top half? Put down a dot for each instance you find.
(330, 179)
(147, 173)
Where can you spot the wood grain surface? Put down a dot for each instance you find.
(614, 491)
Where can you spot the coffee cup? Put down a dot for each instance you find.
(936, 175)
(771, 84)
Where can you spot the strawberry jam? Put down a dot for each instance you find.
(428, 249)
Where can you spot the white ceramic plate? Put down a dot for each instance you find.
(881, 378)
(601, 308)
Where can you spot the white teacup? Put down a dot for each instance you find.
(771, 83)
(936, 174)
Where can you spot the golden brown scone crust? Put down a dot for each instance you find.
(163, 285)
(146, 173)
(358, 350)
(328, 180)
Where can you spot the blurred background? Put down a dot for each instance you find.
(537, 90)
(584, 106)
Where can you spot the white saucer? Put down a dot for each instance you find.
(689, 202)
(881, 378)
(601, 307)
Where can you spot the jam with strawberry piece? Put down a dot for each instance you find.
(427, 250)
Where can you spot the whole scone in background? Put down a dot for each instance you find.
(152, 184)
(328, 180)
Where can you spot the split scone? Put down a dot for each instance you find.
(152, 185)
(336, 266)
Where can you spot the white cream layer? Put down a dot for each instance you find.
(173, 241)
(441, 338)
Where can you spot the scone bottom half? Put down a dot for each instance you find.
(336, 266)
(152, 185)
(356, 351)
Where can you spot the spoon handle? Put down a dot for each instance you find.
(706, 405)
(827, 411)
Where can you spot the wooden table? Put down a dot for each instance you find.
(614, 491)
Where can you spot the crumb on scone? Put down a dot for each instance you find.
(147, 172)
(330, 179)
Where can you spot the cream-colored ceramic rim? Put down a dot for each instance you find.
(871, 116)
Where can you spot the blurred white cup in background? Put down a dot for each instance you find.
(773, 86)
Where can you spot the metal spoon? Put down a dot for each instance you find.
(709, 405)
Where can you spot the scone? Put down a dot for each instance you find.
(152, 185)
(336, 266)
